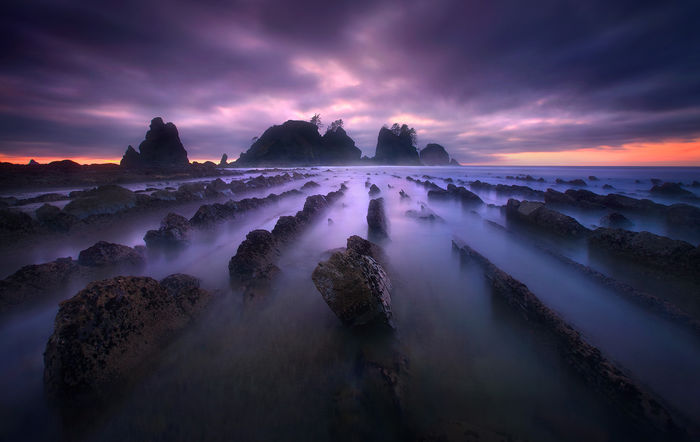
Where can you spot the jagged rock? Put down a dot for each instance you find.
(657, 252)
(404, 195)
(374, 190)
(104, 333)
(54, 219)
(395, 148)
(175, 231)
(355, 287)
(454, 162)
(616, 220)
(339, 148)
(14, 221)
(286, 228)
(252, 267)
(105, 199)
(162, 148)
(376, 219)
(537, 214)
(312, 205)
(109, 254)
(32, 282)
(224, 160)
(608, 186)
(434, 155)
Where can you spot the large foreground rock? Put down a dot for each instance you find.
(105, 253)
(536, 214)
(355, 286)
(106, 331)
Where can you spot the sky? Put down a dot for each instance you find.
(495, 82)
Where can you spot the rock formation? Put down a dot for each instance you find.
(434, 155)
(162, 148)
(536, 214)
(299, 143)
(396, 147)
(376, 220)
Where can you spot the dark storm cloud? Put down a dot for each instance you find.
(482, 78)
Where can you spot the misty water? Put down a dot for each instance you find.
(270, 370)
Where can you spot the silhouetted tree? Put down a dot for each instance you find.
(316, 120)
(396, 128)
(335, 125)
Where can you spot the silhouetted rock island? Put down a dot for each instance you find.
(162, 148)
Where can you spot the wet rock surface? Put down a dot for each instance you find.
(33, 282)
(104, 333)
(105, 253)
(536, 214)
(507, 189)
(174, 231)
(616, 220)
(355, 286)
(105, 199)
(601, 374)
(376, 220)
(656, 252)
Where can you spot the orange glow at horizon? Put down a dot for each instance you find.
(80, 160)
(667, 153)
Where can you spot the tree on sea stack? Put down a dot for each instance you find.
(316, 120)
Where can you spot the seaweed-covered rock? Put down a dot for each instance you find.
(104, 253)
(174, 231)
(107, 330)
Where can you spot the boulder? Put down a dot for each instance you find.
(104, 333)
(14, 221)
(174, 231)
(54, 219)
(355, 287)
(104, 254)
(310, 185)
(376, 219)
(434, 155)
(105, 199)
(374, 190)
(616, 220)
(536, 214)
(32, 282)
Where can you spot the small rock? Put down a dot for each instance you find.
(107, 254)
(175, 231)
(374, 190)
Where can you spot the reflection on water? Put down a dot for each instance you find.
(271, 370)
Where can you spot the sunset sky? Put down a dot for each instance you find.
(495, 82)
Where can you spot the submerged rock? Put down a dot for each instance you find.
(35, 281)
(54, 219)
(576, 182)
(424, 214)
(106, 199)
(376, 219)
(174, 231)
(374, 190)
(657, 252)
(104, 333)
(310, 185)
(460, 194)
(537, 214)
(616, 220)
(355, 286)
(671, 189)
(404, 195)
(104, 253)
